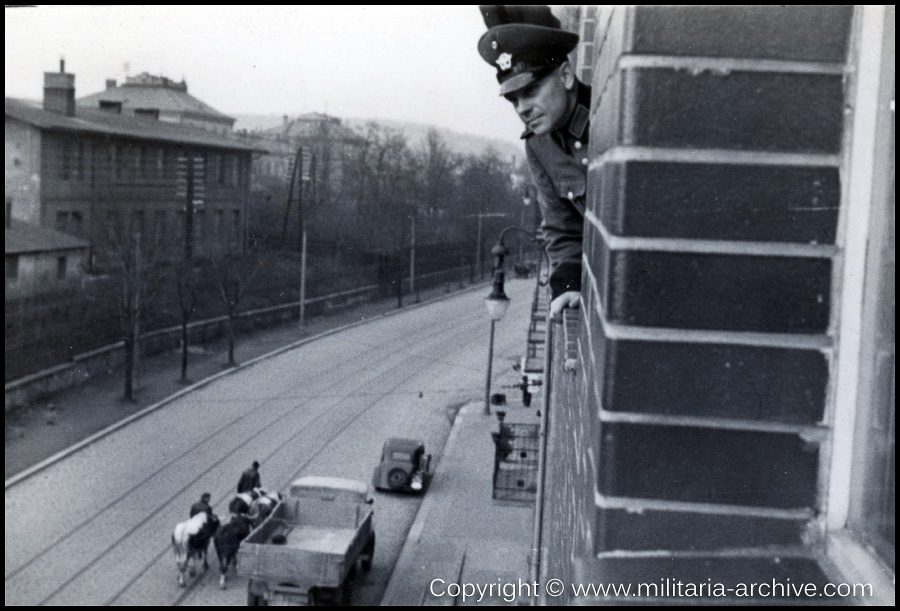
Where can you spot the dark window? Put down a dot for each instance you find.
(113, 231)
(242, 171)
(79, 160)
(159, 229)
(213, 163)
(169, 161)
(65, 166)
(62, 221)
(181, 229)
(77, 225)
(150, 113)
(199, 225)
(12, 267)
(119, 161)
(137, 224)
(140, 162)
(61, 268)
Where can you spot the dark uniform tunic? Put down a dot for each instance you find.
(558, 162)
(201, 507)
(249, 480)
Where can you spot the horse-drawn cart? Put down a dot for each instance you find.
(307, 550)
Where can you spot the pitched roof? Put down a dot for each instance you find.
(22, 238)
(156, 95)
(96, 121)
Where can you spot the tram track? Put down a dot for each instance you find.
(435, 342)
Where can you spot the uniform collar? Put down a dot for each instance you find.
(578, 121)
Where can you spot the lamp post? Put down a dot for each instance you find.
(496, 304)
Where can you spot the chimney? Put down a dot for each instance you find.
(59, 91)
(110, 83)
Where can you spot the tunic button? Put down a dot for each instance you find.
(578, 144)
(570, 195)
(584, 161)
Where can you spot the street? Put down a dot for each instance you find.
(95, 528)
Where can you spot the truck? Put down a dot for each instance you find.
(307, 550)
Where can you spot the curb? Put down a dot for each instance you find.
(47, 462)
(415, 531)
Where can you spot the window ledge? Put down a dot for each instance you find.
(853, 563)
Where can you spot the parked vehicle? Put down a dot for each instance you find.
(307, 550)
(404, 466)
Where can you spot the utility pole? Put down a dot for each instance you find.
(480, 216)
(301, 187)
(303, 282)
(412, 260)
(296, 173)
(306, 182)
(478, 251)
(189, 210)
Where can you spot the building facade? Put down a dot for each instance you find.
(102, 176)
(731, 417)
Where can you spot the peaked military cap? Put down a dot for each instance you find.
(524, 43)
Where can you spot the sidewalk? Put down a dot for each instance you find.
(45, 428)
(460, 534)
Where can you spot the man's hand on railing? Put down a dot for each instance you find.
(569, 299)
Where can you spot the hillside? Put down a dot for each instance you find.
(465, 144)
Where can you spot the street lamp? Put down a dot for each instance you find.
(497, 303)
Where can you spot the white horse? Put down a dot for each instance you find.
(191, 540)
(263, 506)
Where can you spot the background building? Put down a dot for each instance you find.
(160, 98)
(40, 261)
(102, 175)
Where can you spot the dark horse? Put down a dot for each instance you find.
(227, 541)
(190, 541)
(243, 502)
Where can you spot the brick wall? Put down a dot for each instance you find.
(568, 518)
(706, 340)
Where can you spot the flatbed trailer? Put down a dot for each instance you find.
(307, 550)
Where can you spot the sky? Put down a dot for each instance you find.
(405, 63)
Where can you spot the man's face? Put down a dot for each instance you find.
(543, 104)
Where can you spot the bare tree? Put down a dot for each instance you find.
(128, 256)
(186, 287)
(384, 177)
(233, 276)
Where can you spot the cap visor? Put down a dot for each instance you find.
(517, 82)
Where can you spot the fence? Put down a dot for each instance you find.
(516, 453)
(85, 365)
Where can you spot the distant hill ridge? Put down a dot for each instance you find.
(465, 144)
